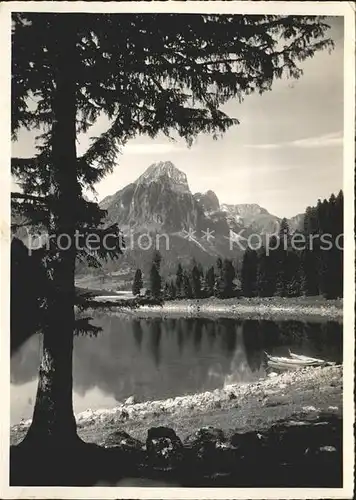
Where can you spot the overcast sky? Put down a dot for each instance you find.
(285, 154)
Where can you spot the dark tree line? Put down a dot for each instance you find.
(191, 283)
(196, 283)
(309, 262)
(137, 282)
(155, 280)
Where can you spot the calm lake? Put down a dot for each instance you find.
(159, 358)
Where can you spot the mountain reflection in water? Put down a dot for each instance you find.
(159, 358)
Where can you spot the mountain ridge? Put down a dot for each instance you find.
(160, 201)
(209, 200)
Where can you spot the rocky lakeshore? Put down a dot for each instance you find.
(245, 407)
(286, 428)
(305, 308)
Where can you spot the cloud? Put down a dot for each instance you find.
(151, 149)
(322, 141)
(333, 139)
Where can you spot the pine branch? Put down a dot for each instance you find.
(83, 327)
(29, 197)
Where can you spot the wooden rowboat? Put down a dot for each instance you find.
(283, 366)
(306, 358)
(294, 362)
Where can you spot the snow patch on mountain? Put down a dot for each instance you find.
(244, 209)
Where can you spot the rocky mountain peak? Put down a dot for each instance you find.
(164, 172)
(209, 201)
(160, 201)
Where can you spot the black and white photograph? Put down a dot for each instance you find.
(177, 239)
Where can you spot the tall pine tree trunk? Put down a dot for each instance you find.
(53, 418)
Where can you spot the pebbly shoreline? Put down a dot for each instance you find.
(246, 407)
(300, 308)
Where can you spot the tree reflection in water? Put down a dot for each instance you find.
(155, 358)
(253, 342)
(155, 333)
(137, 332)
(198, 334)
(180, 336)
(228, 337)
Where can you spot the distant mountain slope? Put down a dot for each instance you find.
(160, 202)
(296, 223)
(159, 206)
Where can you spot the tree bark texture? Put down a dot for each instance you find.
(53, 418)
